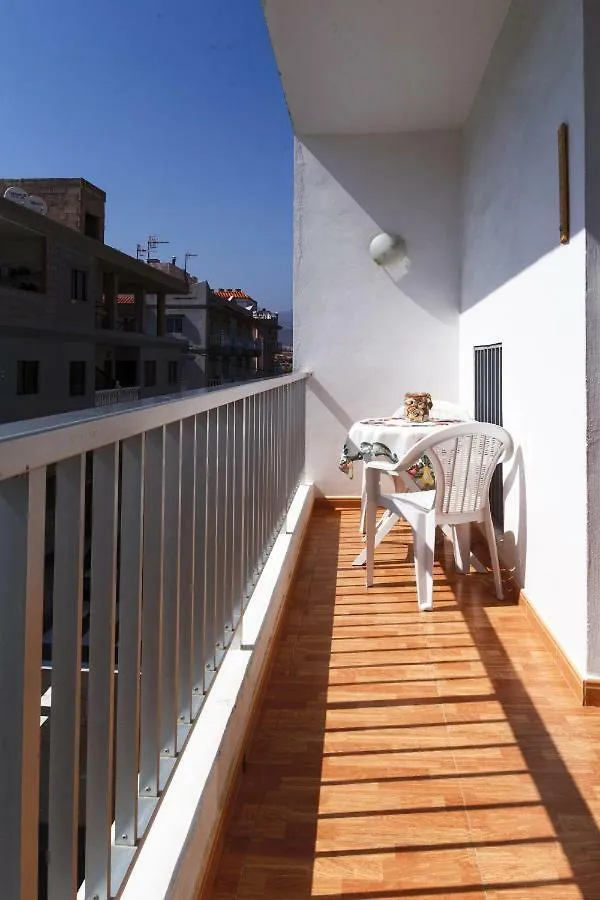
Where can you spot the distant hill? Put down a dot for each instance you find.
(286, 334)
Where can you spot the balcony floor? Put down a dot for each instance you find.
(402, 754)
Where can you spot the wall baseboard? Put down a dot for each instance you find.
(330, 504)
(591, 692)
(587, 690)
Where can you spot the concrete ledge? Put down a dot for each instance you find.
(175, 860)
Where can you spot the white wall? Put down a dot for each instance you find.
(354, 327)
(520, 287)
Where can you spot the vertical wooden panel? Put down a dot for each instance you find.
(563, 183)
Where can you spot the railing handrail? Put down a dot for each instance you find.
(32, 443)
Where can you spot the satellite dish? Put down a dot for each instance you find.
(16, 194)
(37, 204)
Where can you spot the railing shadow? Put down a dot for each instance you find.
(308, 743)
(575, 828)
(271, 839)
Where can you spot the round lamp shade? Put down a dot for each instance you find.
(387, 248)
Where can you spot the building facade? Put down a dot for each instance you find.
(227, 337)
(72, 329)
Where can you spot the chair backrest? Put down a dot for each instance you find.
(464, 458)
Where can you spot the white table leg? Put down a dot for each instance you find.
(383, 529)
(388, 519)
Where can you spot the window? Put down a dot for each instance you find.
(174, 324)
(150, 373)
(79, 284)
(173, 372)
(28, 376)
(488, 408)
(77, 378)
(91, 226)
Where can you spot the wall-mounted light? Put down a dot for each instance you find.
(386, 249)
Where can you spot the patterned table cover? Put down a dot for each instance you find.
(389, 439)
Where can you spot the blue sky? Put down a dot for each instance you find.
(175, 109)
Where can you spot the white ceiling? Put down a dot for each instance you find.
(369, 66)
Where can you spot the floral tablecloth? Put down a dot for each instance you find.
(389, 439)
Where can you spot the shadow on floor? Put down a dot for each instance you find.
(277, 806)
(407, 755)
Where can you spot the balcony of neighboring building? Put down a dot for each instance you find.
(57, 277)
(22, 260)
(122, 305)
(236, 344)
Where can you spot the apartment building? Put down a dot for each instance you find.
(265, 328)
(227, 338)
(72, 329)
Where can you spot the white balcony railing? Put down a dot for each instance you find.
(116, 395)
(178, 504)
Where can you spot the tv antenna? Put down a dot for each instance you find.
(152, 246)
(148, 250)
(187, 255)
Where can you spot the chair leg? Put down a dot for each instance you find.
(493, 547)
(382, 529)
(462, 547)
(424, 554)
(363, 503)
(371, 522)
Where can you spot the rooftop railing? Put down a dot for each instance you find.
(176, 502)
(110, 396)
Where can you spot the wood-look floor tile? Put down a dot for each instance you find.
(406, 755)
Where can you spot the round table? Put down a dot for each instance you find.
(388, 439)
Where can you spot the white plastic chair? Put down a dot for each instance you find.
(440, 410)
(464, 458)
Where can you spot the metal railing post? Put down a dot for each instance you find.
(22, 523)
